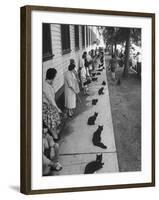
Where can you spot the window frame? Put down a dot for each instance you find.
(87, 36)
(65, 37)
(76, 37)
(83, 36)
(47, 52)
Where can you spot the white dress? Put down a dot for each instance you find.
(48, 94)
(70, 96)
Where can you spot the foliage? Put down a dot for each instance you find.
(117, 35)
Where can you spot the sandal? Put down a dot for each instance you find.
(58, 166)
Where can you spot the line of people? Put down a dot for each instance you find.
(53, 118)
(118, 59)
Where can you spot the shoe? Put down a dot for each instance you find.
(58, 166)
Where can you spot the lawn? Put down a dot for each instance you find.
(125, 100)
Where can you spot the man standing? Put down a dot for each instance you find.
(113, 65)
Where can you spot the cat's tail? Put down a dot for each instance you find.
(100, 144)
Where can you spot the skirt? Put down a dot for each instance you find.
(51, 116)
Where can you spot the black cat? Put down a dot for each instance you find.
(97, 138)
(103, 83)
(92, 119)
(94, 165)
(100, 91)
(100, 70)
(94, 79)
(100, 65)
(87, 82)
(94, 101)
(93, 74)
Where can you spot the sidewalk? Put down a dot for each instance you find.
(76, 147)
(126, 115)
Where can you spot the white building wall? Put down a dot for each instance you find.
(60, 62)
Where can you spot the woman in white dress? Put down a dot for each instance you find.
(70, 84)
(89, 60)
(83, 73)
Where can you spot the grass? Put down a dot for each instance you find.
(125, 102)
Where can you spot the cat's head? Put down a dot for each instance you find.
(99, 158)
(95, 114)
(95, 100)
(100, 127)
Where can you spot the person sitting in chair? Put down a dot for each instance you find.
(50, 152)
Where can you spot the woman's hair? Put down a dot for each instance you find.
(84, 54)
(71, 67)
(51, 73)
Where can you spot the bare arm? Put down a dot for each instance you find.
(50, 97)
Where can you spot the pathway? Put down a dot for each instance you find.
(76, 147)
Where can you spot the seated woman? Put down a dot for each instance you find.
(50, 152)
(51, 112)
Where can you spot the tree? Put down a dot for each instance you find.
(125, 35)
(109, 34)
(114, 36)
(127, 52)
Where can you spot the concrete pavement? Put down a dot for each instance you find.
(76, 147)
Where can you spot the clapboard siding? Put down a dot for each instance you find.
(60, 61)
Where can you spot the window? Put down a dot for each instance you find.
(76, 28)
(83, 36)
(87, 38)
(46, 37)
(65, 38)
